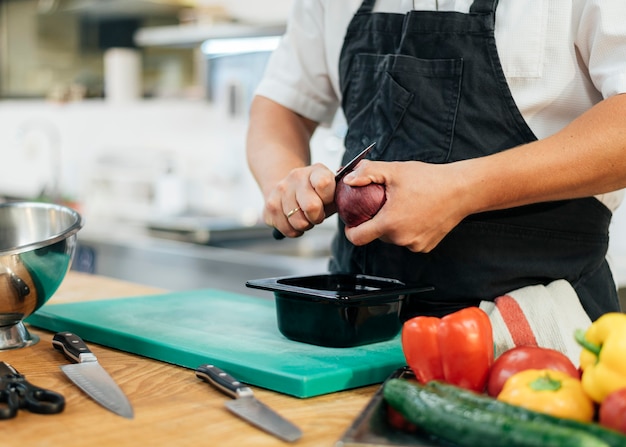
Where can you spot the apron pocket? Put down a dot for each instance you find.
(381, 104)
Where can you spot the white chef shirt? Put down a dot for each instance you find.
(560, 57)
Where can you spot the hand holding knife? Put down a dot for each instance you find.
(343, 171)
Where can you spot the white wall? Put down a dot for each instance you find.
(113, 156)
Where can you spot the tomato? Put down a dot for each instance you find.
(397, 421)
(613, 411)
(521, 358)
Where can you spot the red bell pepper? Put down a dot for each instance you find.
(457, 348)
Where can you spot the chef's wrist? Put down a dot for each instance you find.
(478, 190)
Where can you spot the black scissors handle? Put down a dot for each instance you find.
(41, 401)
(9, 404)
(16, 392)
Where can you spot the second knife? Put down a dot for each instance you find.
(246, 406)
(90, 376)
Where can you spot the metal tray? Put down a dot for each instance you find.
(371, 429)
(209, 230)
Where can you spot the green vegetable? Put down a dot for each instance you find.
(469, 425)
(611, 437)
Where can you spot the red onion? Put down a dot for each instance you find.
(358, 204)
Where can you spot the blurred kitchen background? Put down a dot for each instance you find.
(137, 103)
(134, 112)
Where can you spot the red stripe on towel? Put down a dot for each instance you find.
(515, 320)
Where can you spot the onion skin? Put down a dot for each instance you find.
(358, 204)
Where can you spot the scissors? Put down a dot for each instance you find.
(16, 392)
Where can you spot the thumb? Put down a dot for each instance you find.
(366, 172)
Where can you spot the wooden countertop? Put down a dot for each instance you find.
(171, 409)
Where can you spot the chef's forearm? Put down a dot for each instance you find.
(586, 158)
(277, 142)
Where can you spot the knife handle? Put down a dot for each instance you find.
(277, 234)
(73, 347)
(223, 381)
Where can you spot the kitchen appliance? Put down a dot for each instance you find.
(235, 331)
(247, 406)
(90, 376)
(37, 243)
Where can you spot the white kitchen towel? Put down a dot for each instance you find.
(538, 315)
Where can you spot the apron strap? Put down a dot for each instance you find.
(484, 6)
(366, 7)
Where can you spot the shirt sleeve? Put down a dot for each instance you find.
(601, 41)
(297, 74)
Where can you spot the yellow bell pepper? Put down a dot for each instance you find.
(603, 358)
(547, 391)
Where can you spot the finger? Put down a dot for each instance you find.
(274, 215)
(282, 221)
(311, 206)
(365, 233)
(323, 182)
(292, 212)
(366, 172)
(298, 219)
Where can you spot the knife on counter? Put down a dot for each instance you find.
(90, 376)
(246, 406)
(343, 171)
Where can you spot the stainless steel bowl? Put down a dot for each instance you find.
(37, 243)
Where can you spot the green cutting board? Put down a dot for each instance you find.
(236, 332)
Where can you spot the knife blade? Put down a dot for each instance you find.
(246, 406)
(342, 171)
(90, 376)
(352, 163)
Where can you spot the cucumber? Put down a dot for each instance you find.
(611, 437)
(470, 426)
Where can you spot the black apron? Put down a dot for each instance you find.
(429, 86)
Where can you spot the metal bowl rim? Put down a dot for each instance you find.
(67, 233)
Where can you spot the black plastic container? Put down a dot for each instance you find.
(338, 310)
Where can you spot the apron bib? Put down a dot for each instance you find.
(429, 86)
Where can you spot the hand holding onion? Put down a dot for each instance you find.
(424, 201)
(358, 204)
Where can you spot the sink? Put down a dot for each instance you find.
(179, 265)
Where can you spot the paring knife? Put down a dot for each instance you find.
(343, 171)
(247, 406)
(90, 376)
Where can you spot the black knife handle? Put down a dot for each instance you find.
(222, 381)
(277, 234)
(73, 347)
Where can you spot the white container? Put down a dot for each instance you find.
(122, 75)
